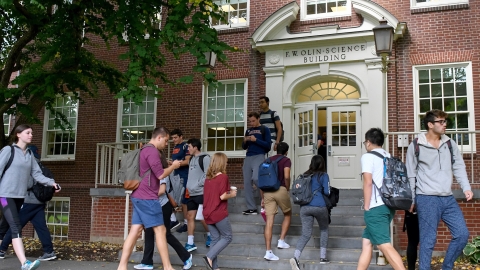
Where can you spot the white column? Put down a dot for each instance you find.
(374, 113)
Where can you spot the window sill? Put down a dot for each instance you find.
(223, 31)
(425, 9)
(325, 20)
(63, 161)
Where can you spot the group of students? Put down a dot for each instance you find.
(207, 186)
(430, 164)
(17, 204)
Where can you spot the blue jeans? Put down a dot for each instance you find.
(432, 209)
(35, 213)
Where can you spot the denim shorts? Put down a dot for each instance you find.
(378, 221)
(147, 213)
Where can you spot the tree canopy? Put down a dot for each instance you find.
(48, 44)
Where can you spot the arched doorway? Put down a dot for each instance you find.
(329, 105)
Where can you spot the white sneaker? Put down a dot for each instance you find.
(282, 244)
(269, 256)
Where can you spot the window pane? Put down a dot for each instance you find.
(448, 74)
(448, 90)
(435, 75)
(139, 120)
(424, 91)
(449, 104)
(436, 90)
(462, 104)
(461, 89)
(437, 104)
(423, 76)
(462, 120)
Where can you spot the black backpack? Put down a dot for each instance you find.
(41, 192)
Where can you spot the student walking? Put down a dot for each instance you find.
(316, 209)
(215, 208)
(377, 215)
(147, 211)
(33, 210)
(167, 209)
(430, 169)
(13, 188)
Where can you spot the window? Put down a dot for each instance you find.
(137, 122)
(435, 3)
(330, 88)
(225, 116)
(447, 88)
(6, 123)
(57, 214)
(61, 143)
(318, 9)
(237, 13)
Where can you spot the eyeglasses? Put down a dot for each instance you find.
(441, 122)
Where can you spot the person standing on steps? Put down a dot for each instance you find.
(257, 142)
(271, 120)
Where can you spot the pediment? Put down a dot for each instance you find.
(274, 31)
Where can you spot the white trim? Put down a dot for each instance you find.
(234, 25)
(62, 199)
(60, 157)
(436, 3)
(204, 130)
(470, 97)
(305, 17)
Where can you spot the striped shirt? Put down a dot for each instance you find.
(266, 120)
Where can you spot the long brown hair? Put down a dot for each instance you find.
(217, 164)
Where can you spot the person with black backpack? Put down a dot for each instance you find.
(33, 210)
(315, 209)
(432, 160)
(18, 165)
(257, 142)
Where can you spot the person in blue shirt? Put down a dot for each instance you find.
(180, 152)
(316, 209)
(257, 142)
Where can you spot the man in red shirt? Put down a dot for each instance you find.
(279, 198)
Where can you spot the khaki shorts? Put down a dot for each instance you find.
(277, 198)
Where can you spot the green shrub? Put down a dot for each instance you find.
(472, 250)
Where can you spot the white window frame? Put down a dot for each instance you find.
(7, 125)
(233, 25)
(436, 3)
(59, 224)
(470, 102)
(305, 17)
(120, 115)
(235, 153)
(45, 152)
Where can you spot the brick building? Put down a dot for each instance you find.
(316, 61)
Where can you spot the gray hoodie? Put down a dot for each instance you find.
(433, 170)
(196, 177)
(15, 181)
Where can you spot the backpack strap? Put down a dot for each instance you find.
(10, 160)
(200, 162)
(150, 168)
(417, 149)
(262, 130)
(449, 144)
(375, 153)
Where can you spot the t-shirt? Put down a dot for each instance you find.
(260, 146)
(374, 165)
(150, 184)
(180, 152)
(215, 209)
(282, 164)
(266, 120)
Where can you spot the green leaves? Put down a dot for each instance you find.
(472, 250)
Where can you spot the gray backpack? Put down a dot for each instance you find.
(175, 187)
(129, 172)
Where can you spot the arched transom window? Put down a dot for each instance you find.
(330, 88)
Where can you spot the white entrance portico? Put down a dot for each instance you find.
(326, 80)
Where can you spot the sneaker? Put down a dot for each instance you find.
(295, 264)
(207, 264)
(324, 261)
(48, 256)
(182, 228)
(269, 256)
(191, 247)
(174, 224)
(188, 263)
(282, 244)
(143, 266)
(2, 254)
(28, 265)
(209, 240)
(250, 212)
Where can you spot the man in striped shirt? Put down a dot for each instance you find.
(271, 120)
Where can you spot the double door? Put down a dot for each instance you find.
(342, 147)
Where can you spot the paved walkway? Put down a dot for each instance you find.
(11, 263)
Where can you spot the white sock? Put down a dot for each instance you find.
(185, 221)
(190, 240)
(208, 233)
(173, 217)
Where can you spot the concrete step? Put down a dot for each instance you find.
(343, 201)
(355, 210)
(345, 219)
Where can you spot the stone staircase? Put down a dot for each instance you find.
(248, 246)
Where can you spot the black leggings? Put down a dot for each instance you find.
(10, 208)
(413, 235)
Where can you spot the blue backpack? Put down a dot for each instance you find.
(268, 175)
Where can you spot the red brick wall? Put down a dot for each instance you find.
(108, 219)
